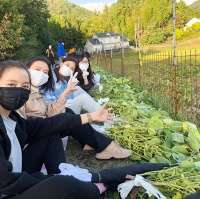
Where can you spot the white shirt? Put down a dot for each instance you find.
(16, 152)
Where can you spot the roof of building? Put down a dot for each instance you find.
(192, 21)
(124, 39)
(94, 41)
(107, 34)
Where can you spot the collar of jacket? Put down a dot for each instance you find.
(3, 129)
(20, 131)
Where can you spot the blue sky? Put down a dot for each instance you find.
(92, 1)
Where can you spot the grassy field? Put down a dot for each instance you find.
(181, 46)
(187, 47)
(186, 51)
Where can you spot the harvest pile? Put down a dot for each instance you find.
(153, 136)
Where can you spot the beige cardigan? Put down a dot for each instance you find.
(36, 106)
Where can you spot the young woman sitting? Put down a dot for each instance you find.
(79, 100)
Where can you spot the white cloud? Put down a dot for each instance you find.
(95, 6)
(98, 6)
(188, 2)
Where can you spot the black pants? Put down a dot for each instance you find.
(194, 196)
(49, 151)
(85, 134)
(61, 187)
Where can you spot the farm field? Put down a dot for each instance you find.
(176, 89)
(151, 134)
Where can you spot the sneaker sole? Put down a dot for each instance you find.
(107, 157)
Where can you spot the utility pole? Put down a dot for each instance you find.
(136, 38)
(122, 43)
(174, 30)
(139, 53)
(175, 92)
(122, 53)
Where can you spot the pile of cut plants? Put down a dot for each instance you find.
(153, 136)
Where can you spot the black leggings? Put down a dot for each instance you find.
(49, 151)
(61, 187)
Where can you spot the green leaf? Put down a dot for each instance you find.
(186, 164)
(193, 130)
(179, 157)
(153, 160)
(177, 137)
(151, 131)
(133, 113)
(140, 112)
(193, 142)
(176, 125)
(161, 159)
(167, 121)
(197, 165)
(155, 141)
(155, 113)
(155, 123)
(180, 149)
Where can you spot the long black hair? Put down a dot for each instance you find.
(49, 85)
(79, 76)
(60, 78)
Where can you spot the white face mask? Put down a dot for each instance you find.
(84, 66)
(65, 71)
(38, 78)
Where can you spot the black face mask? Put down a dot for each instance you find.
(13, 98)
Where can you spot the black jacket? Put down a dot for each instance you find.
(27, 131)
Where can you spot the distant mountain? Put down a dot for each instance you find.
(195, 5)
(64, 7)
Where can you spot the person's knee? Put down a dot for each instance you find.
(193, 196)
(85, 96)
(69, 182)
(69, 110)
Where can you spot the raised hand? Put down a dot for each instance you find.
(74, 79)
(85, 74)
(103, 115)
(71, 85)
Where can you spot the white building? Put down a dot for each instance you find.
(106, 41)
(191, 22)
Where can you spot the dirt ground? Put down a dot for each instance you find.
(76, 156)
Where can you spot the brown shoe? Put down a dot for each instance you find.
(87, 148)
(113, 150)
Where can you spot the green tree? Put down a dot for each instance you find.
(9, 38)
